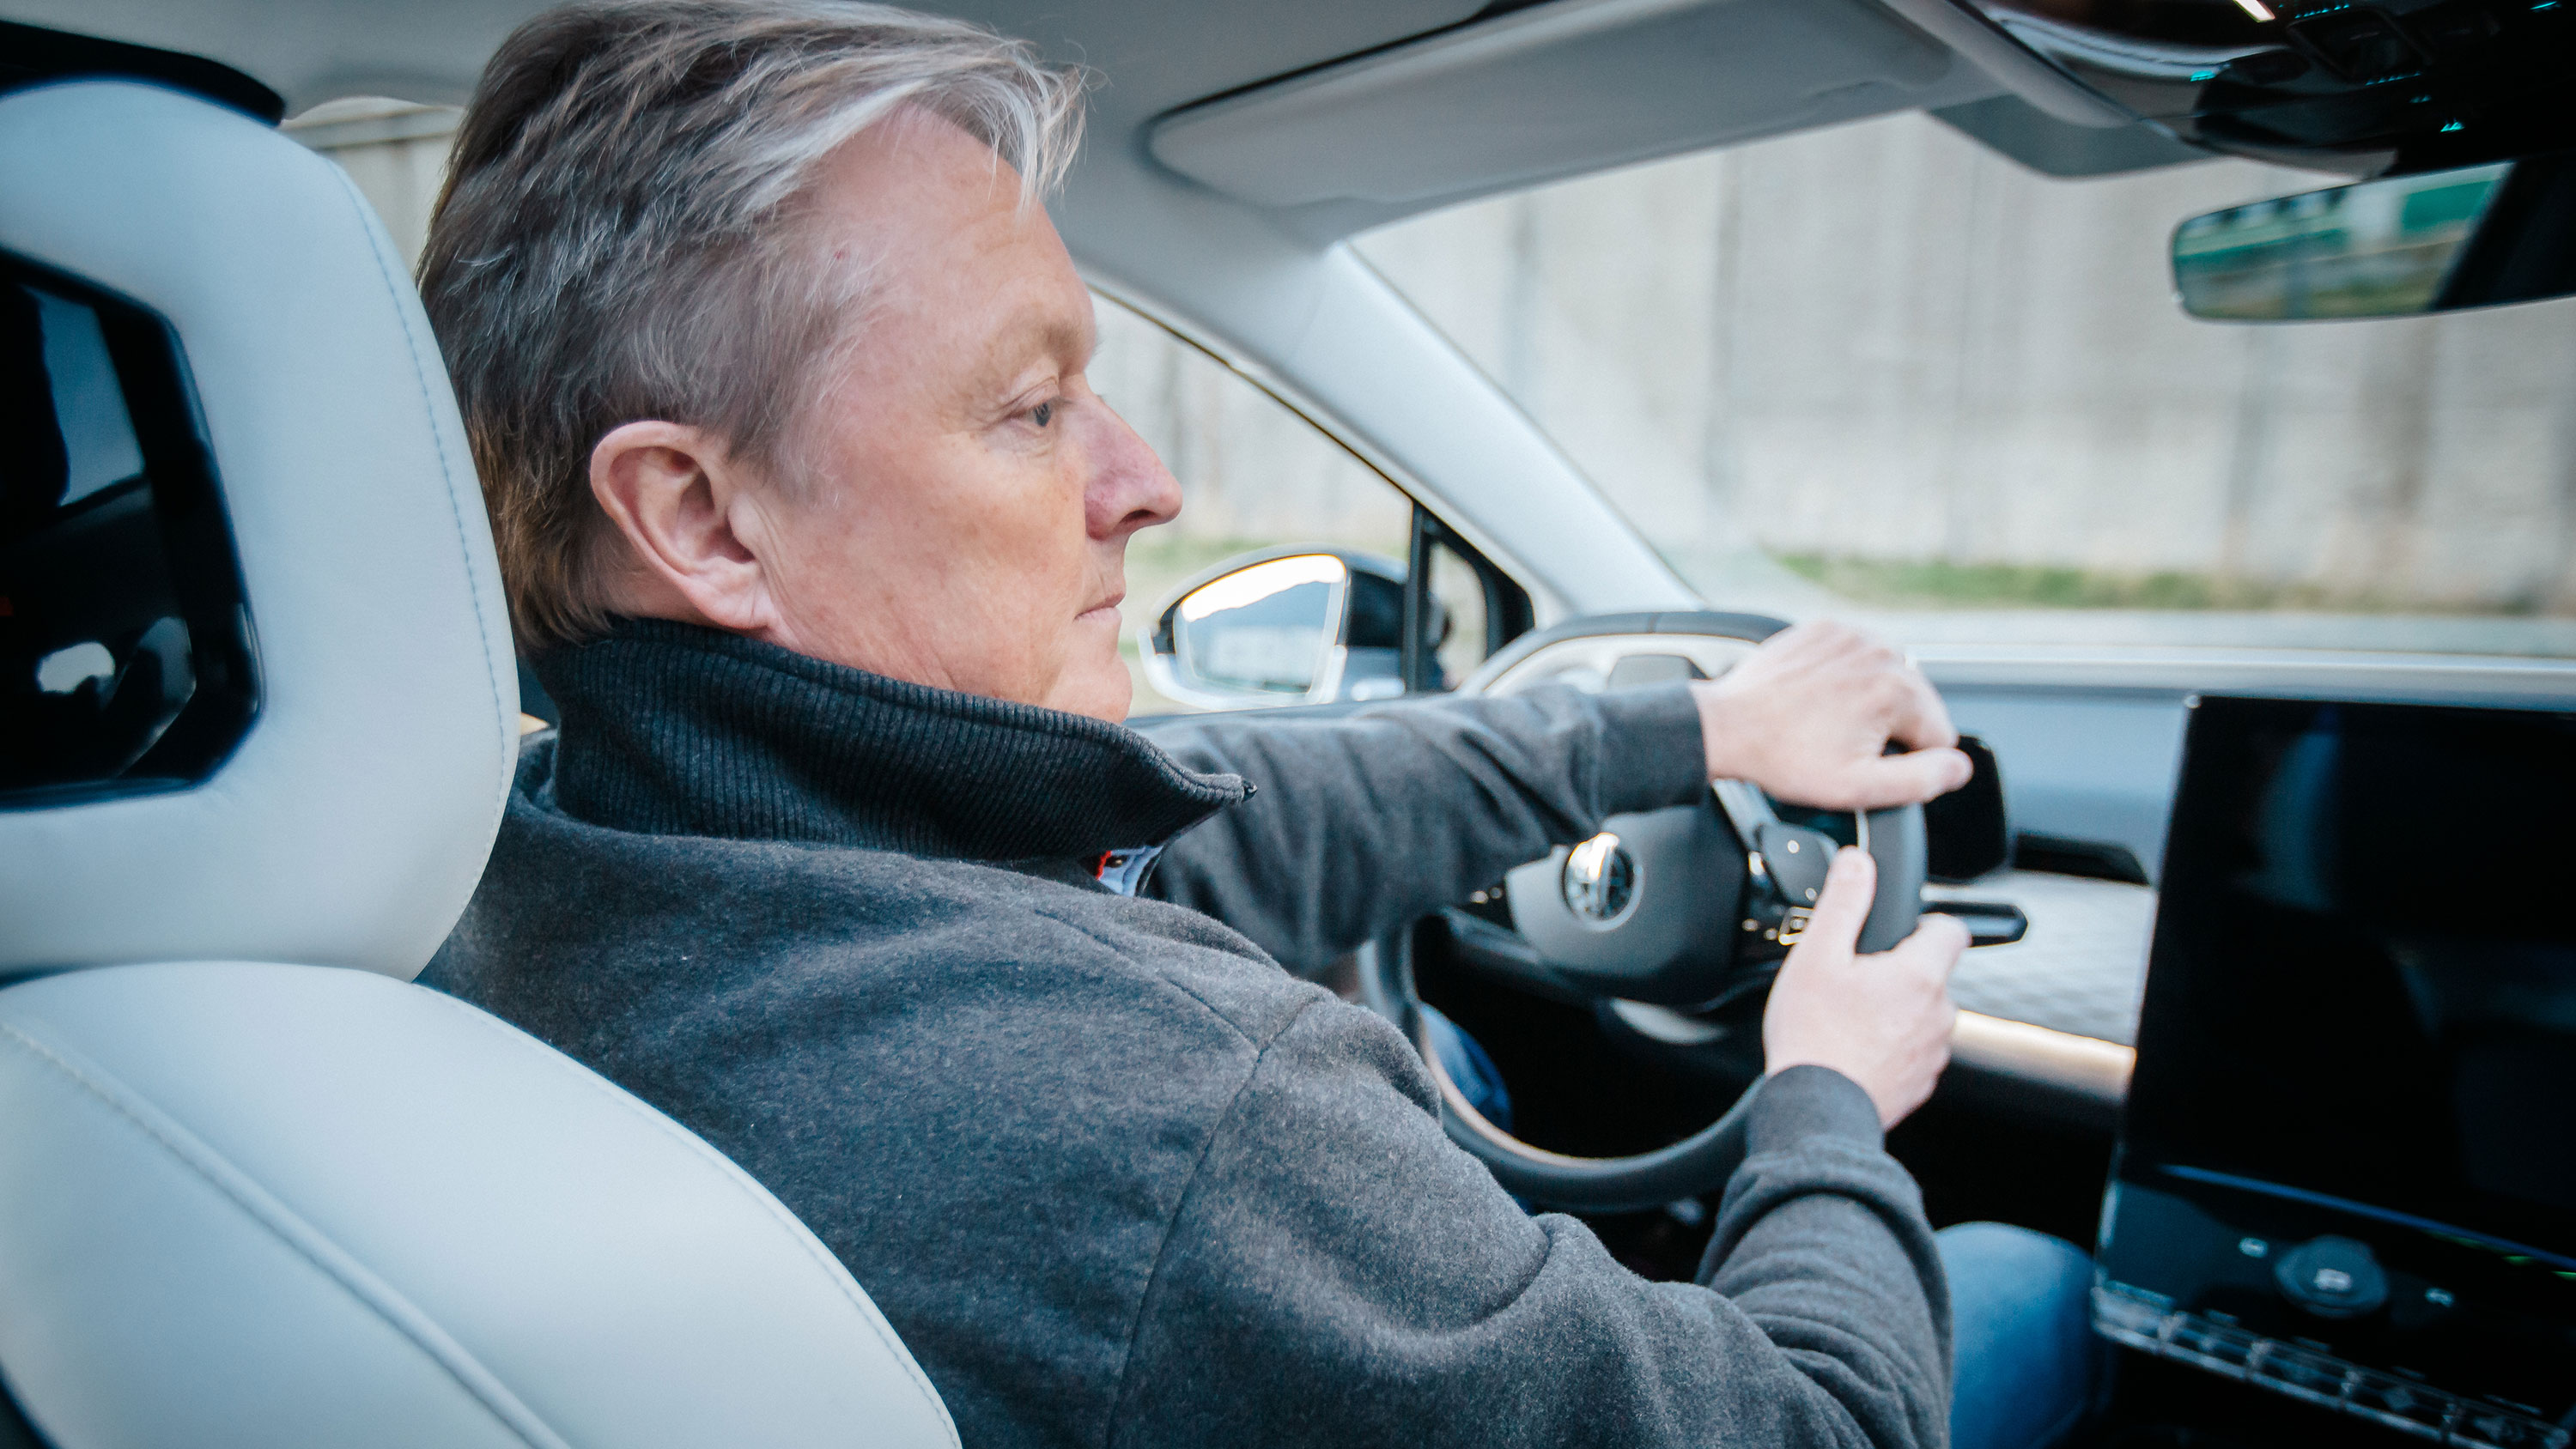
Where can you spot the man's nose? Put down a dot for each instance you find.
(1129, 487)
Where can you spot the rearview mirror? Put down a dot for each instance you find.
(2481, 236)
(1308, 626)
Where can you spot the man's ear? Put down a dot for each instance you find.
(676, 497)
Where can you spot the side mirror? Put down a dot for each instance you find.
(1302, 626)
(2439, 241)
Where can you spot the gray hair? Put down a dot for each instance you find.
(618, 238)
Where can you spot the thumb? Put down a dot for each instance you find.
(1937, 943)
(1843, 906)
(1908, 779)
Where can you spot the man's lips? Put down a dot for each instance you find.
(1107, 606)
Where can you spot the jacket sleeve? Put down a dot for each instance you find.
(1362, 823)
(1386, 1291)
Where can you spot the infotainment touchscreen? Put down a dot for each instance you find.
(2348, 1164)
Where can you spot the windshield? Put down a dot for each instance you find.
(1881, 370)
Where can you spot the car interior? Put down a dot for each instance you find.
(2272, 1004)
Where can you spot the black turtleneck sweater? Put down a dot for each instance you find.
(1114, 1175)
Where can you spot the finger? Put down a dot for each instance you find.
(1880, 781)
(1923, 721)
(1936, 945)
(1936, 1055)
(1818, 640)
(1811, 632)
(1844, 906)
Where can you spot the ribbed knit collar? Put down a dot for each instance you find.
(669, 729)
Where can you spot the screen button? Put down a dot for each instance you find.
(2332, 1277)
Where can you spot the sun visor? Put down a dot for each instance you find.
(1554, 90)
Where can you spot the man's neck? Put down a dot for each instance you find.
(673, 729)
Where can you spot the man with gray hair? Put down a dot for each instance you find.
(813, 528)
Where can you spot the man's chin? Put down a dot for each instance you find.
(1103, 693)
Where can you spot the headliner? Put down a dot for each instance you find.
(1598, 83)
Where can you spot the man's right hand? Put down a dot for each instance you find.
(1884, 1020)
(1808, 714)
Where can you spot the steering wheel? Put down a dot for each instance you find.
(1687, 908)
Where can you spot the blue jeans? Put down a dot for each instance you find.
(1463, 1060)
(2029, 1367)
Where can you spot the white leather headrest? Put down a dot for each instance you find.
(350, 825)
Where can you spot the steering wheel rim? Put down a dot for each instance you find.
(1703, 1161)
(1691, 1166)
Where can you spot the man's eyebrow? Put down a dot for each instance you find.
(1037, 332)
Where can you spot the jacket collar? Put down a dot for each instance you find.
(670, 729)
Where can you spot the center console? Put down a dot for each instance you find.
(2347, 1170)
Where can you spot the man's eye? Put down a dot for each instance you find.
(1042, 414)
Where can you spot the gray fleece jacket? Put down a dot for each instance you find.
(1115, 1176)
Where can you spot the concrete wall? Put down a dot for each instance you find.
(1884, 341)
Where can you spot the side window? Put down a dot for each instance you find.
(1307, 538)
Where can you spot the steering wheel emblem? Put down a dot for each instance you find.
(1600, 881)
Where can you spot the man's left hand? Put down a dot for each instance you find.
(1809, 714)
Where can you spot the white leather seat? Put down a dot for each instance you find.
(255, 1187)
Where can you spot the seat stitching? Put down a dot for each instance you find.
(496, 1399)
(732, 1175)
(446, 467)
